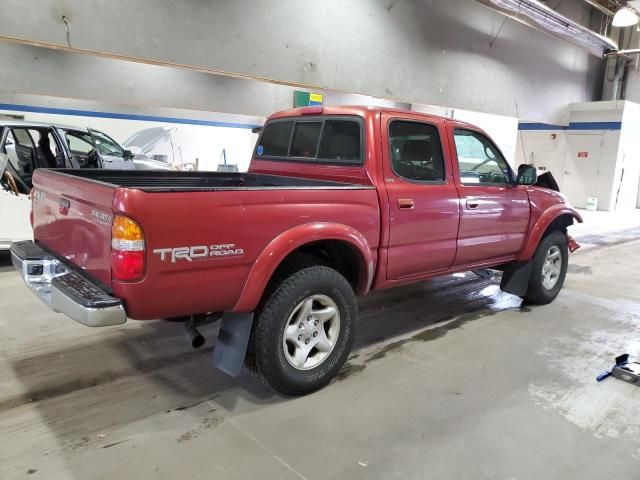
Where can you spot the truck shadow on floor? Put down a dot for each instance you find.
(138, 370)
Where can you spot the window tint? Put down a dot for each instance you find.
(416, 152)
(340, 141)
(305, 139)
(315, 139)
(275, 139)
(479, 160)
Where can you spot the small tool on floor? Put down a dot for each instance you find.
(623, 370)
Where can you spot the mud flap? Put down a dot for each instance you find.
(233, 340)
(515, 278)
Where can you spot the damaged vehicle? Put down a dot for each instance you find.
(338, 202)
(27, 146)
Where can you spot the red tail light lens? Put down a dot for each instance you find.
(127, 266)
(127, 249)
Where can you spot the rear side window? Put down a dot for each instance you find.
(322, 139)
(275, 139)
(416, 153)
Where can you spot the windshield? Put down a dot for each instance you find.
(106, 145)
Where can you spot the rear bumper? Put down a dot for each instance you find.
(64, 290)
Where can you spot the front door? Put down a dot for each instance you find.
(422, 197)
(494, 212)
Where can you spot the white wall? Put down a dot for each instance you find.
(610, 171)
(629, 195)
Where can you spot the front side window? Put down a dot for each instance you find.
(329, 139)
(106, 145)
(416, 153)
(479, 160)
(79, 142)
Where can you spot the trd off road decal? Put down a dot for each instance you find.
(198, 252)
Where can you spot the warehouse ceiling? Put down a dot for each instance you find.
(537, 15)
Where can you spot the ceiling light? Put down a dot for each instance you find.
(625, 17)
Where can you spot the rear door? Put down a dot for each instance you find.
(494, 212)
(423, 200)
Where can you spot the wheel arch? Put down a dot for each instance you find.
(555, 218)
(335, 245)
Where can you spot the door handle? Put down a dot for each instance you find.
(64, 205)
(471, 203)
(406, 203)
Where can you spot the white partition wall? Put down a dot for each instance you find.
(596, 154)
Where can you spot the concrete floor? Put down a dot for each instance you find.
(450, 379)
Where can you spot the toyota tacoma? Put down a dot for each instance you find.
(338, 202)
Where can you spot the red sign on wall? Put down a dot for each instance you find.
(583, 154)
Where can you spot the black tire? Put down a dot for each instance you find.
(266, 344)
(537, 293)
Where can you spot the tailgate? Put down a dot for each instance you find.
(72, 218)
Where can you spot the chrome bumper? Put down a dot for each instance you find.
(64, 290)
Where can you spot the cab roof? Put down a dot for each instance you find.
(358, 110)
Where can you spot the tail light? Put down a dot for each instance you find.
(127, 249)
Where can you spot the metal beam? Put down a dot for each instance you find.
(537, 15)
(600, 8)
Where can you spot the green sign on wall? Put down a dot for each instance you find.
(306, 99)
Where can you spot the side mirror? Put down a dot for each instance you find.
(128, 154)
(526, 175)
(189, 167)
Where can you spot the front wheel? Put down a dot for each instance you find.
(549, 269)
(304, 331)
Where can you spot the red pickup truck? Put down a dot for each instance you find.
(338, 201)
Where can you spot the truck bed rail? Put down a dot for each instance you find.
(166, 181)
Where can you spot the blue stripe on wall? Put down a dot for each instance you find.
(540, 126)
(122, 116)
(595, 126)
(572, 126)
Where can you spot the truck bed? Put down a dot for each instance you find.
(73, 212)
(167, 181)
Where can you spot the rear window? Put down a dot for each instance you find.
(305, 139)
(312, 139)
(275, 139)
(340, 141)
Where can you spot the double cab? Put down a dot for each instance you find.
(337, 202)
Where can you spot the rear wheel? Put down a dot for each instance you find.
(550, 263)
(304, 331)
